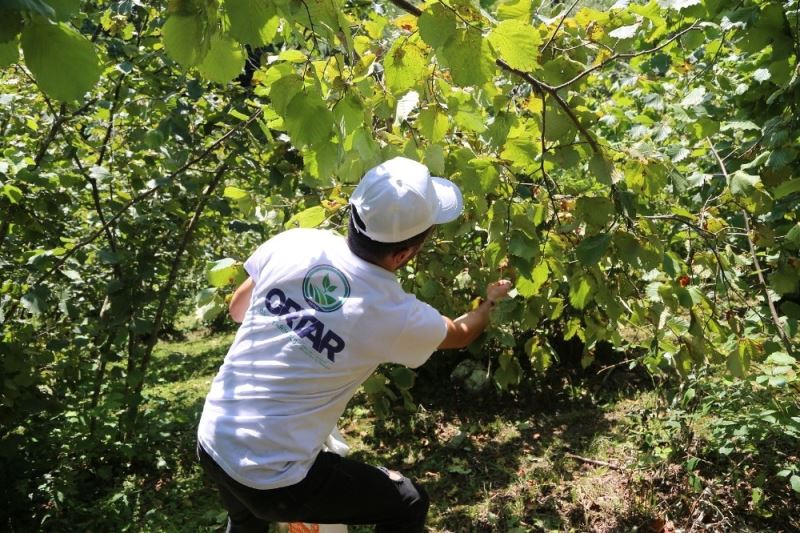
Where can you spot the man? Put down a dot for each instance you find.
(319, 313)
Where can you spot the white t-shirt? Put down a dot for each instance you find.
(319, 322)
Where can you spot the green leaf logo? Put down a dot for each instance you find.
(325, 288)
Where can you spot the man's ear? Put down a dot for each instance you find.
(401, 257)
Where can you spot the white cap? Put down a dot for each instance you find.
(399, 199)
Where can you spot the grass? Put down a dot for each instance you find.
(489, 463)
(570, 454)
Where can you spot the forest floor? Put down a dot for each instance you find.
(565, 457)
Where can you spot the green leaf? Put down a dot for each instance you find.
(784, 281)
(742, 183)
(434, 159)
(509, 371)
(433, 124)
(253, 22)
(624, 32)
(793, 236)
(522, 146)
(466, 113)
(591, 249)
(781, 158)
(437, 25)
(740, 125)
(225, 272)
(224, 60)
(517, 43)
(65, 8)
(786, 188)
(540, 353)
(469, 57)
(738, 360)
(309, 218)
(600, 169)
(184, 39)
(694, 98)
(672, 264)
(522, 246)
(678, 4)
(9, 53)
(62, 61)
(405, 106)
(320, 16)
(35, 300)
(349, 112)
(283, 90)
(211, 309)
(558, 126)
(405, 66)
(530, 286)
(308, 120)
(402, 377)
(791, 309)
(205, 295)
(580, 292)
(375, 384)
(10, 26)
(596, 210)
(515, 9)
(781, 359)
(321, 162)
(32, 6)
(795, 482)
(234, 193)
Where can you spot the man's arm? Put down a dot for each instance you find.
(469, 326)
(240, 300)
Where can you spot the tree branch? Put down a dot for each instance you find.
(408, 6)
(97, 207)
(166, 288)
(4, 231)
(623, 56)
(110, 128)
(762, 281)
(58, 121)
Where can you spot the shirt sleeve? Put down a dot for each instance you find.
(424, 331)
(256, 262)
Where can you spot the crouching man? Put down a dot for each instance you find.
(318, 314)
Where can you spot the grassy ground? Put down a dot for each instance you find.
(561, 458)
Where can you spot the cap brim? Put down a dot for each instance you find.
(451, 203)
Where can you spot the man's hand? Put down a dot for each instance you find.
(498, 290)
(466, 328)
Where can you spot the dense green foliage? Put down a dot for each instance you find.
(634, 167)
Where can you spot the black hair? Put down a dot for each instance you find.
(376, 251)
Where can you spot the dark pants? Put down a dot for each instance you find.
(335, 491)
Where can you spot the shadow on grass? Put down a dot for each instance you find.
(182, 361)
(494, 463)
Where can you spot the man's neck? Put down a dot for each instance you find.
(385, 263)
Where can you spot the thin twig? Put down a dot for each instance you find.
(628, 55)
(595, 462)
(560, 23)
